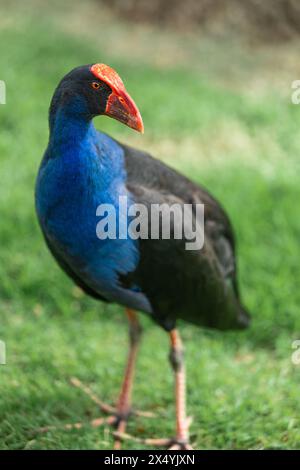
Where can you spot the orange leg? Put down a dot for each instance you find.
(123, 407)
(177, 362)
(181, 439)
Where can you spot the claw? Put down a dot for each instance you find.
(175, 447)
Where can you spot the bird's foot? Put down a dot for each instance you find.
(117, 421)
(170, 444)
(106, 408)
(177, 443)
(115, 417)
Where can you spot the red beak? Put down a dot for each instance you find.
(121, 106)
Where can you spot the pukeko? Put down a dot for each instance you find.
(83, 168)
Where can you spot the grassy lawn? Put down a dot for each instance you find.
(218, 112)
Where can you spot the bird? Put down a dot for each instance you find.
(82, 169)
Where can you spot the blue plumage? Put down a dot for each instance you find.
(82, 169)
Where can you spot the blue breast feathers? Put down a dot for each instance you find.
(82, 169)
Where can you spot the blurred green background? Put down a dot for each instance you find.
(215, 95)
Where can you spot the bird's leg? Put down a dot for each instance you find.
(181, 440)
(123, 407)
(177, 363)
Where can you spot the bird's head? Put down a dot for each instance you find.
(97, 89)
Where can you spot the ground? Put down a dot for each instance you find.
(220, 112)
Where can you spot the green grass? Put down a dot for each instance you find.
(242, 142)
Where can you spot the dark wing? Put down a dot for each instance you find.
(145, 171)
(206, 277)
(149, 172)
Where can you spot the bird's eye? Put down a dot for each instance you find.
(95, 85)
